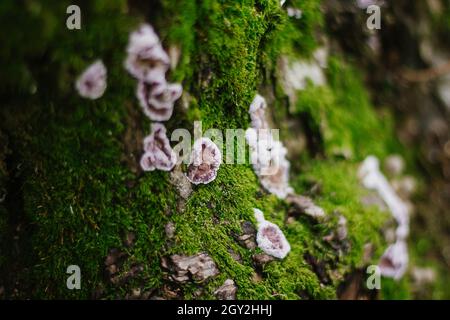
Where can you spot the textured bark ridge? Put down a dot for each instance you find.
(199, 267)
(73, 192)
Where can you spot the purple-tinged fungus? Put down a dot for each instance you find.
(157, 100)
(205, 162)
(394, 261)
(91, 83)
(163, 96)
(146, 60)
(158, 153)
(270, 238)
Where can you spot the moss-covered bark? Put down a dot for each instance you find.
(70, 166)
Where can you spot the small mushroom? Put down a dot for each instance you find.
(158, 153)
(205, 162)
(91, 83)
(146, 60)
(270, 238)
(394, 261)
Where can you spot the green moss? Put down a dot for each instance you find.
(342, 113)
(81, 196)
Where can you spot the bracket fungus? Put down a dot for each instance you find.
(269, 162)
(91, 83)
(205, 162)
(268, 156)
(394, 261)
(257, 113)
(157, 100)
(373, 179)
(158, 153)
(270, 238)
(146, 59)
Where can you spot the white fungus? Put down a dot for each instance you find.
(91, 83)
(294, 12)
(205, 162)
(267, 155)
(257, 113)
(270, 238)
(146, 59)
(295, 74)
(269, 162)
(394, 261)
(158, 153)
(373, 179)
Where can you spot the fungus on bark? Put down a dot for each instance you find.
(91, 83)
(257, 113)
(394, 261)
(157, 100)
(158, 153)
(146, 59)
(270, 238)
(373, 179)
(205, 162)
(269, 162)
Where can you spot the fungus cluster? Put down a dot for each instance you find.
(158, 153)
(268, 156)
(148, 62)
(91, 84)
(270, 238)
(394, 261)
(205, 162)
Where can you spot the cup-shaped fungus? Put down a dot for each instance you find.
(157, 100)
(394, 261)
(164, 95)
(205, 162)
(91, 83)
(158, 153)
(270, 238)
(146, 59)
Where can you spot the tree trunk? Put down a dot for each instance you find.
(72, 191)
